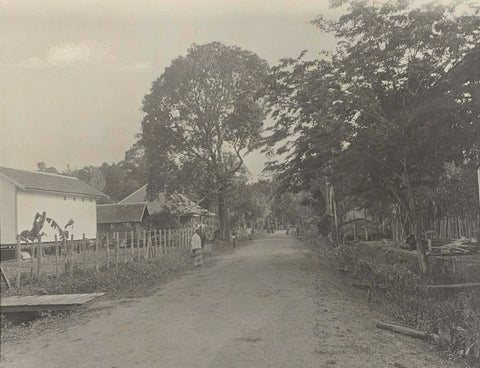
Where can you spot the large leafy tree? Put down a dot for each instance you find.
(383, 113)
(204, 105)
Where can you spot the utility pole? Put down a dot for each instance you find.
(478, 180)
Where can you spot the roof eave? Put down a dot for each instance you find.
(14, 182)
(104, 196)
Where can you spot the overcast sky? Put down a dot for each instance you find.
(73, 73)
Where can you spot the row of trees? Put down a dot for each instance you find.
(390, 117)
(117, 180)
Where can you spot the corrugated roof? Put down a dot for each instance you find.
(177, 203)
(29, 180)
(120, 212)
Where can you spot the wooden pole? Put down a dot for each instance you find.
(39, 256)
(402, 330)
(108, 251)
(125, 250)
(365, 223)
(84, 244)
(145, 250)
(164, 241)
(117, 247)
(453, 286)
(96, 254)
(336, 219)
(19, 261)
(131, 244)
(71, 255)
(161, 240)
(65, 253)
(56, 256)
(354, 227)
(138, 244)
(144, 242)
(156, 240)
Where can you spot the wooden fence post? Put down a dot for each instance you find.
(155, 239)
(160, 240)
(19, 261)
(84, 253)
(65, 253)
(39, 256)
(163, 240)
(71, 255)
(108, 251)
(117, 248)
(56, 256)
(139, 243)
(125, 250)
(131, 245)
(96, 253)
(148, 242)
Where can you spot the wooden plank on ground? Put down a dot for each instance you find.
(37, 303)
(401, 330)
(453, 286)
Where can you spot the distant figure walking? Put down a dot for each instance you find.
(196, 245)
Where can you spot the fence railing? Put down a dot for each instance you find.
(106, 251)
(457, 227)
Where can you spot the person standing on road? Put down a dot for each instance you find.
(196, 245)
(203, 235)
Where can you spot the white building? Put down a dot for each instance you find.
(23, 194)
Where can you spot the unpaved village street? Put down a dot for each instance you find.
(267, 304)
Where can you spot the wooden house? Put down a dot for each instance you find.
(121, 217)
(189, 213)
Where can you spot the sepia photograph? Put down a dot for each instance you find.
(240, 184)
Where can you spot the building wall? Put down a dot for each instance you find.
(60, 208)
(8, 230)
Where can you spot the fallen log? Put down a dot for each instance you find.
(453, 286)
(401, 330)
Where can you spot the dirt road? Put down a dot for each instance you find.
(266, 305)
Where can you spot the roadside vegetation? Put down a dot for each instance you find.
(393, 282)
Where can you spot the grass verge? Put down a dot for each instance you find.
(451, 317)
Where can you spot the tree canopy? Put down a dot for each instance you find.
(204, 106)
(397, 100)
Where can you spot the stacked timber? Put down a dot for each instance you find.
(447, 247)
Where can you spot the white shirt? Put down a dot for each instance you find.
(196, 241)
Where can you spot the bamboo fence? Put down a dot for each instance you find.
(105, 252)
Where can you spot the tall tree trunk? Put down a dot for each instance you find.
(223, 215)
(412, 214)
